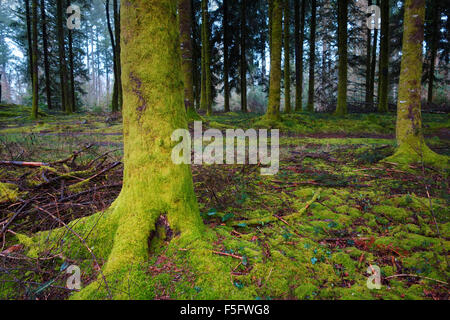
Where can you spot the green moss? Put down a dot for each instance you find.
(8, 192)
(306, 291)
(397, 214)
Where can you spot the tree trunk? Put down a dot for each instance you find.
(157, 201)
(299, 38)
(373, 66)
(411, 144)
(287, 67)
(273, 109)
(312, 56)
(226, 66)
(383, 82)
(342, 35)
(29, 40)
(65, 99)
(368, 65)
(115, 96)
(46, 62)
(243, 60)
(206, 101)
(71, 67)
(34, 52)
(116, 12)
(433, 49)
(184, 12)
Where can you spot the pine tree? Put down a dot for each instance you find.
(273, 109)
(312, 56)
(243, 60)
(34, 53)
(299, 38)
(287, 70)
(383, 82)
(342, 40)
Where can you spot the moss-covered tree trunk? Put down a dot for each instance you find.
(312, 56)
(341, 108)
(157, 197)
(411, 144)
(226, 65)
(184, 12)
(433, 49)
(206, 99)
(299, 38)
(34, 52)
(273, 108)
(65, 99)
(383, 79)
(45, 54)
(243, 59)
(287, 58)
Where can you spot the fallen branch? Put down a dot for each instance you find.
(25, 163)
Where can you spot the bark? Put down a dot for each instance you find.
(342, 44)
(34, 52)
(411, 144)
(433, 49)
(243, 60)
(45, 51)
(299, 38)
(312, 56)
(383, 84)
(226, 67)
(287, 68)
(273, 109)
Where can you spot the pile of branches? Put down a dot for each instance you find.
(47, 196)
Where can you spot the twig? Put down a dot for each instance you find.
(415, 276)
(228, 255)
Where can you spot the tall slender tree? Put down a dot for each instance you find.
(116, 12)
(410, 140)
(368, 64)
(312, 56)
(34, 53)
(342, 44)
(299, 38)
(433, 49)
(71, 67)
(287, 69)
(184, 12)
(29, 40)
(373, 65)
(65, 98)
(273, 108)
(383, 79)
(45, 55)
(243, 60)
(226, 64)
(206, 95)
(115, 96)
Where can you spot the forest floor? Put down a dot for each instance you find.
(338, 210)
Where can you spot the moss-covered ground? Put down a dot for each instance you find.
(338, 211)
